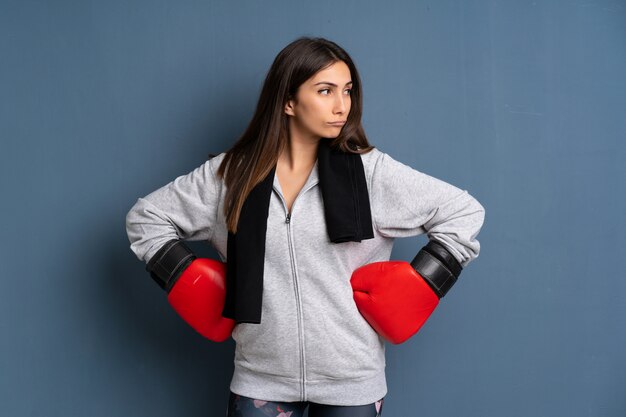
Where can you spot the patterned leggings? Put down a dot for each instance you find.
(240, 406)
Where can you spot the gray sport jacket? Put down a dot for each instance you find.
(312, 343)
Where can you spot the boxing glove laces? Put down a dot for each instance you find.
(195, 287)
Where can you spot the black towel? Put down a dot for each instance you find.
(348, 218)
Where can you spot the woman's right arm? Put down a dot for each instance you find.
(185, 209)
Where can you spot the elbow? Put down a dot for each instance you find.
(134, 230)
(480, 214)
(473, 247)
(130, 219)
(474, 220)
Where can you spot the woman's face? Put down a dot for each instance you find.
(321, 100)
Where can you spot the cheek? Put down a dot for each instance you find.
(315, 112)
(319, 106)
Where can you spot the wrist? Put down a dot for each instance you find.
(437, 266)
(169, 262)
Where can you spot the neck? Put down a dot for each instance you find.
(298, 154)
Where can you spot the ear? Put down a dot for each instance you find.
(289, 108)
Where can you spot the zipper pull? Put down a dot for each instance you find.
(288, 218)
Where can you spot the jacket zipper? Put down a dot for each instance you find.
(295, 279)
(297, 291)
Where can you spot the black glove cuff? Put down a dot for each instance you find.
(168, 263)
(440, 252)
(437, 266)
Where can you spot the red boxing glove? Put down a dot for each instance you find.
(196, 288)
(396, 297)
(393, 298)
(198, 297)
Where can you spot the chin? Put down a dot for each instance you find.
(333, 132)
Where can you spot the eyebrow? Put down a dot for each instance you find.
(334, 85)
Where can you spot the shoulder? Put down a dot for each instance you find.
(386, 170)
(370, 157)
(215, 160)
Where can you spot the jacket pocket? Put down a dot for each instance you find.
(345, 346)
(265, 349)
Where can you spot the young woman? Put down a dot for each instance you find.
(304, 212)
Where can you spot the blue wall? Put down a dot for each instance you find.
(522, 103)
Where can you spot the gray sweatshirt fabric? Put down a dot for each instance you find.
(312, 343)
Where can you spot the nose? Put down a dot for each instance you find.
(340, 104)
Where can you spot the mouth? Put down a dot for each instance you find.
(337, 123)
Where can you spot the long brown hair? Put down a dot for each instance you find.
(256, 152)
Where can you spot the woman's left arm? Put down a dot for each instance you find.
(407, 202)
(397, 297)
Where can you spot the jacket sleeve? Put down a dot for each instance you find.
(407, 202)
(185, 208)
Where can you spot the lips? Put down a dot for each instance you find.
(337, 123)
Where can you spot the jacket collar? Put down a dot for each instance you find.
(312, 180)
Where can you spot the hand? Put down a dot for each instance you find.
(198, 297)
(394, 298)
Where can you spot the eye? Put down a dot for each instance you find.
(349, 90)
